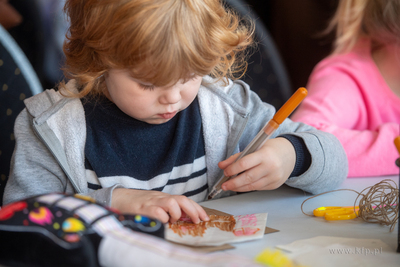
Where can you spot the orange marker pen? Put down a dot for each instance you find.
(397, 143)
(265, 133)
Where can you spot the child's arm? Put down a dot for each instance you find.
(158, 205)
(34, 170)
(328, 164)
(370, 152)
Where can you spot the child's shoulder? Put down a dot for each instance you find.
(219, 87)
(236, 94)
(358, 59)
(49, 101)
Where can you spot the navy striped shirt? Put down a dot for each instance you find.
(168, 157)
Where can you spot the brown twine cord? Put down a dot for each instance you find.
(378, 205)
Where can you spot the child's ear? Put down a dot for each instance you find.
(9, 17)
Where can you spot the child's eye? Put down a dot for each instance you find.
(147, 87)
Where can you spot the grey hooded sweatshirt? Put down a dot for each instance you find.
(50, 136)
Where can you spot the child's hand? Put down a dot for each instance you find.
(267, 168)
(158, 205)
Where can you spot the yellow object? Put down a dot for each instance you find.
(334, 213)
(274, 258)
(72, 225)
(87, 198)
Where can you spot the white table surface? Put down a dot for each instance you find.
(283, 206)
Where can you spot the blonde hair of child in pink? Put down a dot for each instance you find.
(377, 19)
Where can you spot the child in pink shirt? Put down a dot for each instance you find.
(355, 92)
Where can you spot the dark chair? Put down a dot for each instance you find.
(266, 73)
(18, 81)
(30, 35)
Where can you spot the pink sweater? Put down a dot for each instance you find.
(349, 98)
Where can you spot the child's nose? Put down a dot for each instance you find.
(172, 95)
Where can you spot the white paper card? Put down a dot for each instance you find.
(218, 231)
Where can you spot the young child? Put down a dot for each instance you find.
(149, 115)
(355, 92)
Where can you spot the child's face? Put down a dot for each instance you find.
(144, 102)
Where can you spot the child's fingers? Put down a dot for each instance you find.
(202, 213)
(189, 207)
(244, 164)
(272, 185)
(228, 161)
(172, 207)
(256, 178)
(255, 185)
(261, 184)
(245, 180)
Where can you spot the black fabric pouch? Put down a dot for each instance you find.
(61, 230)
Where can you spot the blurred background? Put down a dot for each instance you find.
(40, 35)
(295, 27)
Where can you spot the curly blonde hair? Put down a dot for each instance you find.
(159, 41)
(378, 20)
